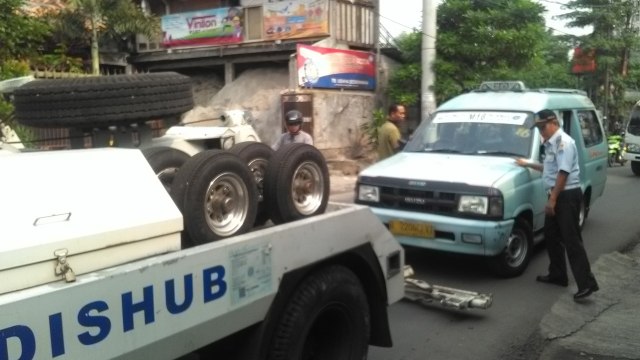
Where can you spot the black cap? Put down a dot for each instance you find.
(544, 116)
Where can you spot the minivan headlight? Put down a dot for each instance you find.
(368, 193)
(473, 204)
(492, 205)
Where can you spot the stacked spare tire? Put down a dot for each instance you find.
(220, 193)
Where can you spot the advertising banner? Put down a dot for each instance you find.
(295, 19)
(329, 68)
(205, 27)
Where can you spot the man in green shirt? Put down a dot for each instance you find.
(389, 133)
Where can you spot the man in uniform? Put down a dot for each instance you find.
(561, 177)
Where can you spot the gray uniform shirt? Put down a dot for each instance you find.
(560, 154)
(287, 138)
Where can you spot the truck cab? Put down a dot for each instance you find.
(456, 187)
(632, 139)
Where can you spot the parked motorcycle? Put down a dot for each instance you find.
(617, 149)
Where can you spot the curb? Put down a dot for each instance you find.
(607, 325)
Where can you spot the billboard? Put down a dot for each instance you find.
(329, 68)
(295, 19)
(205, 27)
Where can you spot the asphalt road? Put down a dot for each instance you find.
(510, 328)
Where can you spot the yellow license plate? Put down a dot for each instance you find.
(411, 229)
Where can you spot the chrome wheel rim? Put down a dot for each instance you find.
(226, 204)
(307, 188)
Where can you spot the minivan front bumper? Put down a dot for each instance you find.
(457, 235)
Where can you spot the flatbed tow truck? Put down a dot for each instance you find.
(98, 260)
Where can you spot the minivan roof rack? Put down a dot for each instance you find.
(563, 91)
(501, 86)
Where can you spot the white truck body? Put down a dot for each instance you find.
(167, 302)
(232, 127)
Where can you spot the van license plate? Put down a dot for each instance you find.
(411, 229)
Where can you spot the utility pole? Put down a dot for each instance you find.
(429, 16)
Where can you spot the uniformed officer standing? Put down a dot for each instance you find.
(561, 177)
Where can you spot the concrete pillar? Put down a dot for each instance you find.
(229, 72)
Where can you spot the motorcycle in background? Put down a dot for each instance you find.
(617, 149)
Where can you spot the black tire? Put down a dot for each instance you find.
(165, 162)
(327, 318)
(214, 191)
(515, 258)
(611, 159)
(635, 167)
(101, 101)
(296, 183)
(257, 156)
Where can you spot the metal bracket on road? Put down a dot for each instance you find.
(425, 293)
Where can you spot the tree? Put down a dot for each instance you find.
(20, 34)
(404, 85)
(21, 37)
(96, 22)
(485, 40)
(614, 39)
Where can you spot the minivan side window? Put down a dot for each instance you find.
(590, 127)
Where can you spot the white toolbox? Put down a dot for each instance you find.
(114, 211)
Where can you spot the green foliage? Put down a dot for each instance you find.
(58, 61)
(404, 85)
(480, 41)
(484, 40)
(615, 38)
(25, 134)
(11, 68)
(20, 34)
(370, 129)
(95, 22)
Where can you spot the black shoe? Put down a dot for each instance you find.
(551, 280)
(581, 294)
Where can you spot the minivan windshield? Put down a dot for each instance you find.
(496, 133)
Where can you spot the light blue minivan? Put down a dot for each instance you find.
(456, 187)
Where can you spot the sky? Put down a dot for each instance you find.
(398, 19)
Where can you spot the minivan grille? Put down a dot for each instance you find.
(416, 200)
(424, 196)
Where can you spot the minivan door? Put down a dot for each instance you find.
(586, 129)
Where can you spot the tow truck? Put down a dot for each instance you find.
(101, 260)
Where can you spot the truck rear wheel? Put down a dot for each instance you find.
(214, 191)
(101, 101)
(514, 259)
(165, 162)
(296, 183)
(326, 318)
(257, 156)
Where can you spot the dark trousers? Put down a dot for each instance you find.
(562, 236)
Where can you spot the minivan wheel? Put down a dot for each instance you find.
(514, 259)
